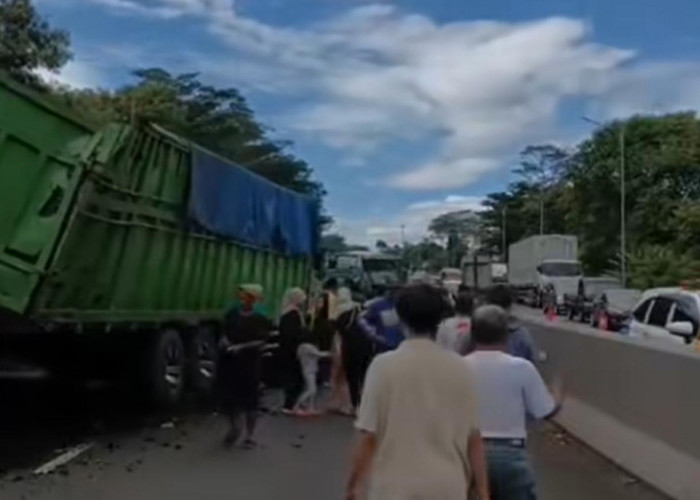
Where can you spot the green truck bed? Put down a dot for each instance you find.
(93, 225)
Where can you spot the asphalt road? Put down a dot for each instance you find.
(297, 459)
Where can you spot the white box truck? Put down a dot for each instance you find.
(544, 266)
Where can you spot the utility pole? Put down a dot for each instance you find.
(541, 210)
(503, 234)
(623, 210)
(403, 235)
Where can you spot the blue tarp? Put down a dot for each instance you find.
(233, 202)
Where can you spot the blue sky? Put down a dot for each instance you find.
(411, 108)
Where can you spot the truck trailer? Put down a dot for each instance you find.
(544, 266)
(122, 247)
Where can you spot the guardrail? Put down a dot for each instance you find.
(637, 404)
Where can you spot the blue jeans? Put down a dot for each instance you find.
(510, 474)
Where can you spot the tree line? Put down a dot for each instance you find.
(579, 192)
(219, 119)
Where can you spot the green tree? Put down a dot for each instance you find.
(581, 195)
(542, 167)
(28, 42)
(217, 118)
(652, 266)
(426, 255)
(333, 243)
(382, 246)
(687, 221)
(662, 176)
(459, 231)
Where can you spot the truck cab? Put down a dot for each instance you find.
(557, 278)
(367, 274)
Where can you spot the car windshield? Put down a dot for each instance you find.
(562, 269)
(623, 299)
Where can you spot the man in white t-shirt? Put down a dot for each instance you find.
(509, 390)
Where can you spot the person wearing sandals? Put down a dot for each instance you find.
(246, 332)
(292, 331)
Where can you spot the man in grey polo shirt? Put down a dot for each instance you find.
(509, 389)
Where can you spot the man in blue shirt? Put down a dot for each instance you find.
(381, 323)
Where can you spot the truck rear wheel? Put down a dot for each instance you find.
(203, 359)
(166, 368)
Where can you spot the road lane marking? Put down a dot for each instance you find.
(63, 459)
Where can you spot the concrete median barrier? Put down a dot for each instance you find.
(636, 403)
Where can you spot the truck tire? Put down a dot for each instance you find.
(203, 360)
(166, 368)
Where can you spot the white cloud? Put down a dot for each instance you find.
(380, 74)
(412, 221)
(375, 74)
(444, 174)
(651, 88)
(135, 7)
(74, 74)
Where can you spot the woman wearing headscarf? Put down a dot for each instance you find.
(292, 328)
(356, 347)
(245, 334)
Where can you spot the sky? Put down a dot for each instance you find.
(405, 109)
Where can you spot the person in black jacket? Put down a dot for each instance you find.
(292, 328)
(356, 346)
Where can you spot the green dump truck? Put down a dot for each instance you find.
(122, 248)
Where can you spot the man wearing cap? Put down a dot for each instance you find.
(246, 332)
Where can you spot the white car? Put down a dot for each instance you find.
(667, 314)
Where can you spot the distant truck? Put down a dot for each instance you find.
(544, 266)
(122, 248)
(480, 272)
(367, 274)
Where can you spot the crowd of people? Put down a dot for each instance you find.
(441, 390)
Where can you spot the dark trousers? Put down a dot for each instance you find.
(355, 363)
(293, 385)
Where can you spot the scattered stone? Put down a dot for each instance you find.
(64, 471)
(167, 425)
(166, 444)
(297, 445)
(150, 439)
(630, 481)
(178, 447)
(18, 478)
(111, 446)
